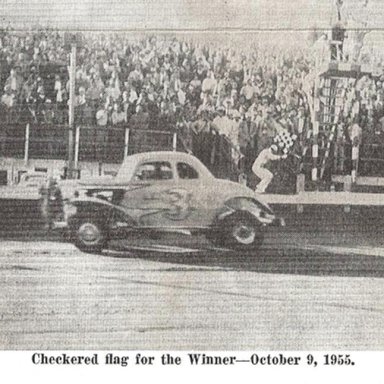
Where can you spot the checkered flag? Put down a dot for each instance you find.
(285, 141)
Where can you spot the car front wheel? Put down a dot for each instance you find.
(89, 235)
(241, 231)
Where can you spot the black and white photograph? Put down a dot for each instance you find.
(192, 175)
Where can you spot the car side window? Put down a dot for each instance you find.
(186, 172)
(154, 170)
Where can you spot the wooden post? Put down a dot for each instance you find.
(126, 142)
(77, 144)
(347, 184)
(26, 144)
(174, 142)
(300, 183)
(355, 161)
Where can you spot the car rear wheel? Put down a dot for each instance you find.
(89, 235)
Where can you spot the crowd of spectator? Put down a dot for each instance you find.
(169, 83)
(155, 83)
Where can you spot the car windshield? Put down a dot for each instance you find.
(33, 179)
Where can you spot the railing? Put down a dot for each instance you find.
(111, 144)
(366, 159)
(92, 143)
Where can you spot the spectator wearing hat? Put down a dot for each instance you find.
(102, 115)
(6, 65)
(267, 129)
(80, 106)
(248, 141)
(218, 120)
(233, 134)
(40, 103)
(8, 102)
(209, 83)
(139, 123)
(136, 76)
(223, 86)
(202, 138)
(248, 91)
(118, 117)
(14, 81)
(113, 89)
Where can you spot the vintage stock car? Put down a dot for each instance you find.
(166, 192)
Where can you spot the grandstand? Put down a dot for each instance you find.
(222, 103)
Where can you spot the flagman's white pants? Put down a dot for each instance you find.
(265, 177)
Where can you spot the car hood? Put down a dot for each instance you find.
(94, 182)
(102, 181)
(233, 189)
(20, 192)
(69, 188)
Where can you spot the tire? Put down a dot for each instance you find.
(89, 235)
(241, 231)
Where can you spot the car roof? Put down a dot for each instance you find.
(166, 156)
(161, 156)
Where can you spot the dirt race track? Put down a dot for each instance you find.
(297, 293)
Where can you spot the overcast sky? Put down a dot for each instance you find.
(179, 14)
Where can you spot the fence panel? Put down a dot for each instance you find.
(149, 140)
(371, 161)
(114, 149)
(12, 140)
(48, 141)
(102, 144)
(107, 144)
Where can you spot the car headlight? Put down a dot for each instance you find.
(264, 207)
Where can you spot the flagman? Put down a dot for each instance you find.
(258, 167)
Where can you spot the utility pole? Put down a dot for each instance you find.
(71, 111)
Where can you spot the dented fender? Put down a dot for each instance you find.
(259, 211)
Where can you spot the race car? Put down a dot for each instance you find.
(166, 192)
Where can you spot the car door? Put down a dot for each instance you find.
(194, 204)
(149, 199)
